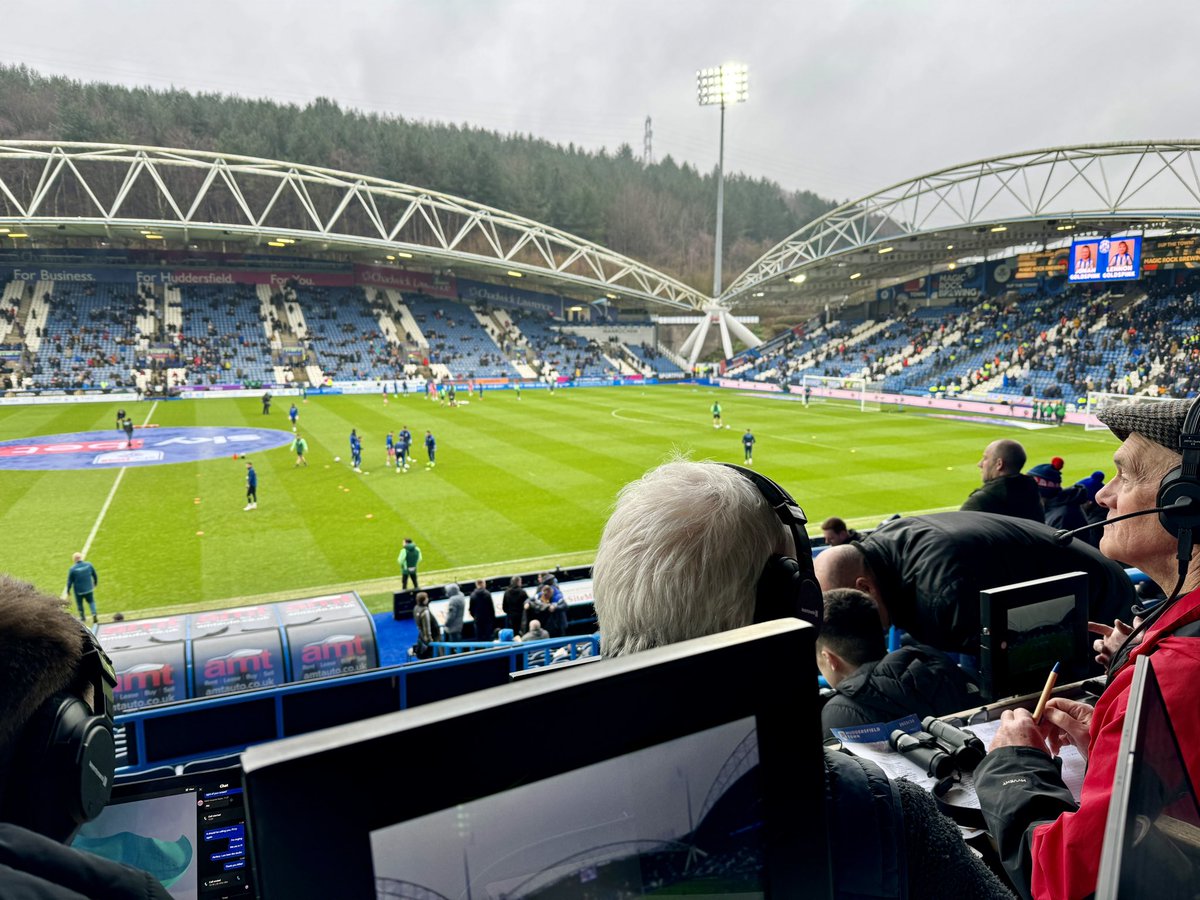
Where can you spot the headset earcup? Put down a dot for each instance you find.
(62, 772)
(1172, 488)
(786, 589)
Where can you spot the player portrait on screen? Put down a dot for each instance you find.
(1085, 258)
(1121, 258)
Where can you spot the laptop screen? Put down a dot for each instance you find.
(678, 770)
(188, 831)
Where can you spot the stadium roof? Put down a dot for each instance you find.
(992, 208)
(130, 196)
(134, 196)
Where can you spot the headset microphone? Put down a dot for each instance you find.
(1180, 505)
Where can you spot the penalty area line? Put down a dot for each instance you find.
(87, 545)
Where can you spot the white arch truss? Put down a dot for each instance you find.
(1115, 182)
(202, 195)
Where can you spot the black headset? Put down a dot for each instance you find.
(788, 585)
(1183, 482)
(61, 773)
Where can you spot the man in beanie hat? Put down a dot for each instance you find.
(1062, 507)
(1050, 844)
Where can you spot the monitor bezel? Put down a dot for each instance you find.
(996, 681)
(650, 697)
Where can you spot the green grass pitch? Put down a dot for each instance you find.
(519, 484)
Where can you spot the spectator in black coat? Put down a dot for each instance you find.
(875, 686)
(483, 611)
(1005, 490)
(925, 572)
(513, 604)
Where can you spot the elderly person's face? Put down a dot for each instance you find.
(1141, 542)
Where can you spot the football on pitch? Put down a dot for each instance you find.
(337, 459)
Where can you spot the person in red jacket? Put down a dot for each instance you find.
(1049, 843)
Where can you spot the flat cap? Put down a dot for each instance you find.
(1160, 422)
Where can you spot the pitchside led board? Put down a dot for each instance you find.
(224, 651)
(1106, 259)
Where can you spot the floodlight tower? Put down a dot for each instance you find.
(719, 86)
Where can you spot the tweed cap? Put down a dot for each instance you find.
(1159, 422)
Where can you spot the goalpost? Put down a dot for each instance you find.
(850, 388)
(1098, 400)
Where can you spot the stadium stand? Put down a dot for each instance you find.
(222, 339)
(458, 340)
(83, 335)
(558, 352)
(344, 333)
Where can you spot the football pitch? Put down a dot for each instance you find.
(519, 485)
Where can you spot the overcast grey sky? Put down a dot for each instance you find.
(846, 96)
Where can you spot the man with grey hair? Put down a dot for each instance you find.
(1005, 490)
(1050, 844)
(681, 557)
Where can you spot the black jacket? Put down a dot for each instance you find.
(1064, 509)
(483, 611)
(888, 840)
(914, 679)
(33, 867)
(1008, 495)
(930, 570)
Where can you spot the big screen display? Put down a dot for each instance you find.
(1105, 259)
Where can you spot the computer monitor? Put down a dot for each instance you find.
(692, 768)
(1152, 837)
(188, 831)
(1028, 627)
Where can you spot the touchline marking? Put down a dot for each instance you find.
(87, 545)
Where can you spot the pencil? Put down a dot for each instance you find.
(1051, 680)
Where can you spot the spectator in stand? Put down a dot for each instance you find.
(874, 686)
(483, 611)
(455, 609)
(536, 632)
(513, 604)
(1005, 490)
(423, 619)
(1063, 506)
(836, 532)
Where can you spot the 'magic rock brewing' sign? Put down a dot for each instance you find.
(149, 447)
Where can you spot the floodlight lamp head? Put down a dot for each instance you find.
(722, 85)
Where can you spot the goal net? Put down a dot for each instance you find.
(1098, 400)
(849, 389)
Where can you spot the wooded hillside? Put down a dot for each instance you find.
(662, 214)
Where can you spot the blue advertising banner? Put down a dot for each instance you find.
(503, 295)
(1105, 259)
(961, 284)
